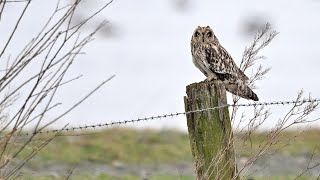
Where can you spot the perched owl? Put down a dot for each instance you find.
(216, 63)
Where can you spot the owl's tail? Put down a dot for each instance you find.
(242, 90)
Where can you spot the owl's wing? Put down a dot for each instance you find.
(218, 60)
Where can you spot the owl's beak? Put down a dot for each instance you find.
(202, 38)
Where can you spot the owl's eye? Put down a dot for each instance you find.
(197, 34)
(209, 34)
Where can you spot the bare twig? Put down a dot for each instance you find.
(53, 50)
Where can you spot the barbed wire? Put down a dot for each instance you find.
(164, 116)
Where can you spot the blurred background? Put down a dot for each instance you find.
(146, 44)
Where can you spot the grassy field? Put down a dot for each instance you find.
(128, 146)
(133, 146)
(107, 177)
(150, 147)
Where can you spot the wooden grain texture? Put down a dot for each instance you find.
(210, 132)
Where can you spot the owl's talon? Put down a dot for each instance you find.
(211, 78)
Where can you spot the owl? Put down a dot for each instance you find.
(216, 63)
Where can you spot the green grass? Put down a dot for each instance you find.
(125, 145)
(288, 142)
(284, 178)
(107, 177)
(152, 147)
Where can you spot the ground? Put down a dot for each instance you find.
(129, 154)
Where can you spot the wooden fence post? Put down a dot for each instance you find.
(210, 132)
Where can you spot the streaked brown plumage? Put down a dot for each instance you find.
(216, 63)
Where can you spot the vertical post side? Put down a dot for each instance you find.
(210, 132)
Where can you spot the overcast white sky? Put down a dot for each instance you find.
(150, 55)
